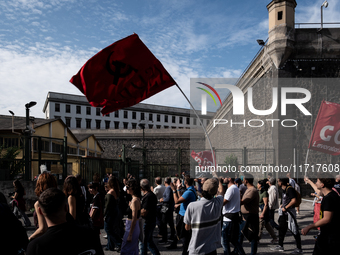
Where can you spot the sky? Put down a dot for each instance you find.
(44, 43)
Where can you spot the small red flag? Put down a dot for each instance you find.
(121, 75)
(203, 158)
(326, 132)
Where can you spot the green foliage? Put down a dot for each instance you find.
(8, 160)
(231, 160)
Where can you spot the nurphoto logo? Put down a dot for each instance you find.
(238, 102)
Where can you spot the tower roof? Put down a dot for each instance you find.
(280, 1)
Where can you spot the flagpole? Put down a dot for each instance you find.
(306, 161)
(205, 132)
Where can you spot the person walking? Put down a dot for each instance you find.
(327, 241)
(184, 200)
(19, 193)
(96, 208)
(203, 219)
(264, 216)
(112, 216)
(231, 218)
(250, 213)
(298, 190)
(131, 236)
(167, 215)
(158, 191)
(287, 216)
(148, 213)
(273, 201)
(76, 201)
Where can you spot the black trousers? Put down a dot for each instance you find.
(326, 245)
(283, 227)
(168, 219)
(159, 219)
(182, 234)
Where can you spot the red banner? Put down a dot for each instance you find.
(203, 158)
(326, 131)
(121, 75)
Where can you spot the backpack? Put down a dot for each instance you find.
(298, 198)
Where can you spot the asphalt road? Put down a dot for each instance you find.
(305, 218)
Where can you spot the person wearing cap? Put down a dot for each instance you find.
(203, 218)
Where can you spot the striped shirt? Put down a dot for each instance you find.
(204, 216)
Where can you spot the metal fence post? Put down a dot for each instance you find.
(179, 161)
(124, 165)
(39, 153)
(65, 157)
(245, 156)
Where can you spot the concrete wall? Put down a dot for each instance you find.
(315, 55)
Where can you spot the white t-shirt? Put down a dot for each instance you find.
(233, 205)
(158, 191)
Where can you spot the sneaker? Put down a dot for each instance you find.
(297, 251)
(274, 241)
(277, 248)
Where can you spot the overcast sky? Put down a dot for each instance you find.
(44, 43)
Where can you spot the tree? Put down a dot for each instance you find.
(8, 160)
(231, 160)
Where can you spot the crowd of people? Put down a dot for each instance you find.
(216, 212)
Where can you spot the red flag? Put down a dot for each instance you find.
(122, 75)
(203, 158)
(326, 132)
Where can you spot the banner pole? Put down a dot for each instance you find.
(307, 156)
(205, 132)
(306, 161)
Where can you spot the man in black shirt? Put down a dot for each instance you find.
(327, 241)
(148, 212)
(287, 218)
(62, 237)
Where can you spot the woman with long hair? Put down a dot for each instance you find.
(76, 201)
(131, 236)
(112, 215)
(44, 182)
(19, 193)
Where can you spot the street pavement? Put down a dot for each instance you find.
(305, 218)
